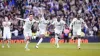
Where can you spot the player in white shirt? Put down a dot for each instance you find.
(6, 32)
(76, 26)
(59, 27)
(27, 29)
(42, 28)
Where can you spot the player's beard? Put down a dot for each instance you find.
(45, 18)
(30, 19)
(58, 20)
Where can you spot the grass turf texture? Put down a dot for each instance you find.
(47, 49)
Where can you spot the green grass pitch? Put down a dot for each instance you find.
(47, 49)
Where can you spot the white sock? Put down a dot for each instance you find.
(8, 43)
(41, 39)
(34, 37)
(3, 42)
(26, 46)
(79, 41)
(56, 40)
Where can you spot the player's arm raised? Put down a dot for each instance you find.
(64, 24)
(42, 12)
(84, 24)
(70, 26)
(20, 19)
(53, 23)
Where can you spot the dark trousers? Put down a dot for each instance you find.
(66, 38)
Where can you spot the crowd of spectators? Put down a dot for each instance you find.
(88, 9)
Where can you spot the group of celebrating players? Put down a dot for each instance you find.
(58, 23)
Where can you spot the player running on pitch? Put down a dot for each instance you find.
(59, 25)
(27, 29)
(43, 22)
(76, 26)
(6, 31)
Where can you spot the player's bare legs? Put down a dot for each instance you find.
(57, 40)
(40, 41)
(8, 44)
(27, 43)
(3, 43)
(6, 31)
(79, 42)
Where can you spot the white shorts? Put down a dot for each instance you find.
(77, 32)
(41, 32)
(6, 35)
(27, 34)
(58, 31)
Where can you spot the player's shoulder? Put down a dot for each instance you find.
(9, 22)
(55, 21)
(74, 19)
(41, 19)
(34, 20)
(27, 19)
(62, 21)
(81, 19)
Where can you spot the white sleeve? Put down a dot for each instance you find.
(72, 23)
(21, 19)
(64, 22)
(33, 20)
(25, 19)
(84, 23)
(42, 17)
(37, 21)
(9, 23)
(53, 23)
(48, 21)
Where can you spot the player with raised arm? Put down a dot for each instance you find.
(6, 32)
(59, 27)
(76, 26)
(43, 22)
(27, 29)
